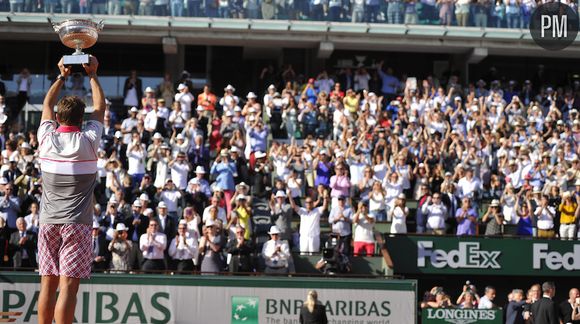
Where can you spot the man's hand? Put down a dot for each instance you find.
(64, 70)
(90, 68)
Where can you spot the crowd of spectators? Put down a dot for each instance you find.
(186, 180)
(536, 305)
(479, 13)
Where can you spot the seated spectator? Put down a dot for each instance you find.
(210, 248)
(120, 249)
(493, 218)
(153, 244)
(23, 246)
(276, 253)
(32, 219)
(364, 238)
(183, 249)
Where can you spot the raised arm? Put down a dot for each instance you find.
(52, 95)
(96, 89)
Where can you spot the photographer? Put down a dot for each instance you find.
(494, 219)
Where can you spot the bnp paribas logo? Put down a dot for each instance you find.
(244, 310)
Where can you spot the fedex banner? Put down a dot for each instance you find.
(195, 299)
(484, 256)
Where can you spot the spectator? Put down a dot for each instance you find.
(100, 252)
(23, 246)
(494, 219)
(364, 238)
(568, 216)
(515, 307)
(545, 310)
(9, 207)
(399, 215)
(210, 247)
(466, 218)
(120, 249)
(435, 213)
(309, 223)
(183, 248)
(241, 251)
(486, 302)
(569, 309)
(545, 218)
(341, 219)
(152, 245)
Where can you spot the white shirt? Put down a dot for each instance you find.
(342, 227)
(32, 225)
(467, 187)
(363, 231)
(153, 249)
(127, 126)
(310, 221)
(150, 121)
(485, 303)
(185, 100)
(545, 219)
(436, 215)
(170, 198)
(220, 215)
(275, 258)
(179, 174)
(136, 160)
(183, 250)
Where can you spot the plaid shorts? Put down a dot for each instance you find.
(65, 250)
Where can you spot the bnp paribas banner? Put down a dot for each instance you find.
(483, 256)
(220, 300)
(461, 316)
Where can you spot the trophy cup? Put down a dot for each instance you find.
(78, 34)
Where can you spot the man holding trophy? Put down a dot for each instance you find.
(68, 157)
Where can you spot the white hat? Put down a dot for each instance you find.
(121, 227)
(144, 197)
(260, 155)
(252, 118)
(96, 225)
(200, 108)
(162, 205)
(113, 200)
(183, 222)
(134, 109)
(148, 212)
(412, 119)
(200, 169)
(237, 108)
(230, 88)
(194, 181)
(3, 118)
(179, 136)
(181, 86)
(560, 122)
(577, 183)
(402, 196)
(229, 113)
(168, 180)
(118, 134)
(25, 145)
(241, 184)
(457, 98)
(157, 136)
(323, 152)
(280, 194)
(241, 197)
(274, 230)
(224, 152)
(537, 190)
(149, 89)
(251, 95)
(209, 223)
(252, 110)
(137, 203)
(494, 203)
(234, 149)
(272, 86)
(164, 146)
(448, 174)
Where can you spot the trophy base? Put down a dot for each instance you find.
(75, 59)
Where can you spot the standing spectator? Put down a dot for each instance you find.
(32, 219)
(276, 253)
(281, 212)
(364, 238)
(133, 88)
(309, 223)
(152, 245)
(389, 81)
(340, 219)
(193, 8)
(569, 309)
(210, 247)
(176, 9)
(435, 213)
(486, 302)
(466, 218)
(24, 79)
(494, 219)
(241, 251)
(100, 253)
(268, 9)
(183, 248)
(481, 10)
(545, 310)
(394, 16)
(399, 215)
(358, 10)
(462, 12)
(371, 11)
(136, 225)
(515, 307)
(120, 249)
(185, 99)
(445, 12)
(545, 218)
(411, 17)
(223, 170)
(429, 12)
(9, 207)
(136, 156)
(512, 13)
(23, 246)
(568, 216)
(498, 13)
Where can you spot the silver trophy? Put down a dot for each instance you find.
(78, 34)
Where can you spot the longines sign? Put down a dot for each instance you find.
(484, 256)
(462, 316)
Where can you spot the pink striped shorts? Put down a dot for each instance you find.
(65, 250)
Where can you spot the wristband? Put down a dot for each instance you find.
(61, 78)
